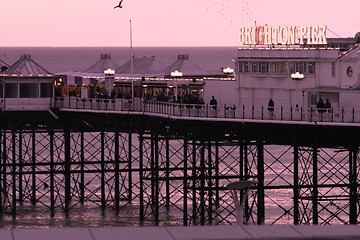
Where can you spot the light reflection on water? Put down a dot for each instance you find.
(40, 217)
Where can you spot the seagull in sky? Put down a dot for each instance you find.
(119, 6)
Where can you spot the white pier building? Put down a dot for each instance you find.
(327, 70)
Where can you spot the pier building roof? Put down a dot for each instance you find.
(186, 66)
(103, 63)
(26, 66)
(352, 54)
(142, 65)
(3, 66)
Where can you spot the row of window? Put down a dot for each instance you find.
(275, 67)
(27, 90)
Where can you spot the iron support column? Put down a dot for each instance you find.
(296, 185)
(33, 158)
(103, 197)
(13, 170)
(353, 185)
(167, 173)
(185, 181)
(260, 190)
(155, 177)
(67, 170)
(21, 197)
(2, 167)
(52, 174)
(194, 178)
(217, 173)
(202, 183)
(210, 181)
(241, 163)
(141, 173)
(82, 168)
(315, 187)
(117, 172)
(130, 160)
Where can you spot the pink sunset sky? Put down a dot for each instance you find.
(163, 22)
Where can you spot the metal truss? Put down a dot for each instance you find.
(62, 170)
(327, 190)
(172, 180)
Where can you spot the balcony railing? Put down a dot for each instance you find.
(338, 115)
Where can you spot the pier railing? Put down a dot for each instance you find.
(312, 114)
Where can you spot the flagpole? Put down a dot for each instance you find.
(132, 65)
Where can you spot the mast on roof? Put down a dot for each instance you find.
(132, 65)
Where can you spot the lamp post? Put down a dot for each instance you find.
(303, 98)
(109, 80)
(228, 71)
(298, 77)
(176, 74)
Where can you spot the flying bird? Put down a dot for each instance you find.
(119, 6)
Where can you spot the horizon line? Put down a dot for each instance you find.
(111, 46)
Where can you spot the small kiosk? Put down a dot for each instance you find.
(26, 86)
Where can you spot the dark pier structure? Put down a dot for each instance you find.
(164, 168)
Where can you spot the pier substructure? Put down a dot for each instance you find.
(159, 171)
(66, 169)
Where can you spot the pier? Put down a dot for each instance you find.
(168, 161)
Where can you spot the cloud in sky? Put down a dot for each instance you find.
(161, 22)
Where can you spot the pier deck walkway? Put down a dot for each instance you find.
(197, 111)
(220, 232)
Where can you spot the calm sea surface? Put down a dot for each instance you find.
(62, 59)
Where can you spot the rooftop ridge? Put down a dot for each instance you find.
(27, 66)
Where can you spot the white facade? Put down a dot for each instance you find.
(26, 93)
(223, 89)
(26, 85)
(264, 73)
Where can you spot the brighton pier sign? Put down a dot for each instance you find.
(284, 35)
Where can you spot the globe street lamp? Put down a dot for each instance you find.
(297, 76)
(176, 74)
(109, 80)
(228, 71)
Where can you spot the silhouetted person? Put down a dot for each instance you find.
(328, 105)
(271, 105)
(213, 102)
(320, 106)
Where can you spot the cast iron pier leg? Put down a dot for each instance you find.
(296, 185)
(130, 160)
(315, 186)
(52, 174)
(13, 209)
(103, 196)
(210, 181)
(82, 169)
(261, 192)
(117, 172)
(21, 197)
(33, 158)
(67, 171)
(185, 183)
(141, 173)
(353, 185)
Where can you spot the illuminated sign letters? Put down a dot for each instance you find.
(284, 35)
